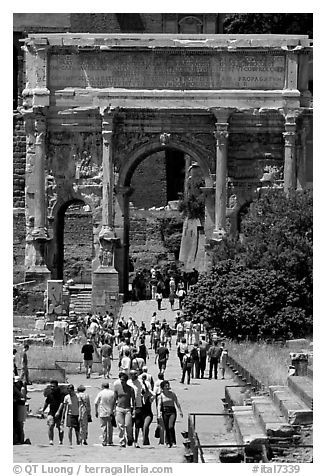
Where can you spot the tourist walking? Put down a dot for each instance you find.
(148, 377)
(182, 348)
(85, 415)
(181, 293)
(88, 351)
(70, 413)
(168, 336)
(161, 357)
(138, 419)
(106, 354)
(19, 411)
(124, 396)
(54, 400)
(195, 358)
(142, 350)
(24, 376)
(104, 406)
(223, 360)
(167, 410)
(180, 330)
(187, 364)
(125, 363)
(15, 370)
(147, 398)
(203, 346)
(188, 330)
(171, 300)
(157, 391)
(158, 297)
(137, 363)
(213, 354)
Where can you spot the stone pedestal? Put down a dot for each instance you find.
(105, 289)
(40, 274)
(299, 360)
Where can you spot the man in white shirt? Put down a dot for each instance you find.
(104, 405)
(138, 420)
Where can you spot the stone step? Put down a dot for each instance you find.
(292, 407)
(235, 395)
(247, 428)
(302, 386)
(271, 418)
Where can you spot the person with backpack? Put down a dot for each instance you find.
(187, 365)
(195, 358)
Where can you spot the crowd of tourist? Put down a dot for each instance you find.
(147, 281)
(132, 401)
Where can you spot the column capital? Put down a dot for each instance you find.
(222, 114)
(221, 137)
(290, 115)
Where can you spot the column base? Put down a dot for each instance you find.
(40, 274)
(105, 289)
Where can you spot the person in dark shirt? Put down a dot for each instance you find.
(54, 399)
(162, 355)
(88, 351)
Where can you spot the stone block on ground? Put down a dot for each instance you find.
(302, 386)
(235, 395)
(248, 429)
(294, 410)
(297, 344)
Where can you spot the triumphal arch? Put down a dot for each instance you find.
(96, 105)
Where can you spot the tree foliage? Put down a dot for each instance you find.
(262, 287)
(275, 23)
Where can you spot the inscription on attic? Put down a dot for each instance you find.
(167, 70)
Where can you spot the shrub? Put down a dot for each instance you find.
(262, 288)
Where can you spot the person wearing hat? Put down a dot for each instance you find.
(85, 415)
(124, 397)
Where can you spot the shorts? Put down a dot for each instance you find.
(88, 363)
(53, 421)
(139, 418)
(73, 421)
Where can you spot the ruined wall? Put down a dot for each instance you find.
(149, 182)
(19, 231)
(19, 157)
(116, 23)
(147, 237)
(78, 238)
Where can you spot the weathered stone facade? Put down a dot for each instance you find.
(96, 106)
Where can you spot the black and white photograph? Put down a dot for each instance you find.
(162, 241)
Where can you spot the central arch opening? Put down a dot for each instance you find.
(159, 181)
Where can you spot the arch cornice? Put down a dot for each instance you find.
(197, 153)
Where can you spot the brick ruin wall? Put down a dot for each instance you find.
(154, 183)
